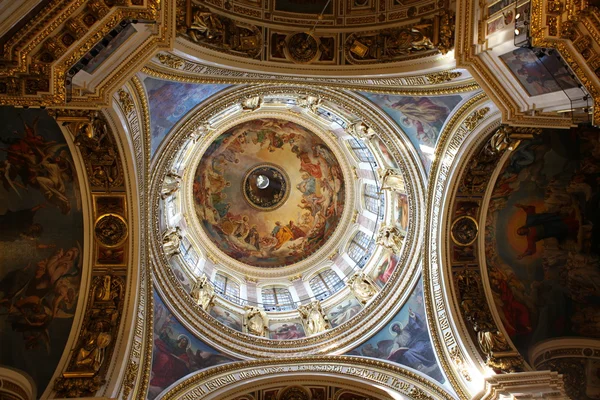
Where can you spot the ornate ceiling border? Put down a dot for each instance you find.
(334, 340)
(219, 381)
(62, 17)
(448, 81)
(466, 57)
(446, 336)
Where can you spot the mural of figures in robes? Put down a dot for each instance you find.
(543, 238)
(405, 339)
(176, 352)
(421, 118)
(41, 237)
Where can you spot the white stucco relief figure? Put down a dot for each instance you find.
(391, 179)
(314, 318)
(360, 130)
(171, 241)
(203, 293)
(311, 103)
(170, 185)
(390, 237)
(251, 104)
(361, 287)
(256, 321)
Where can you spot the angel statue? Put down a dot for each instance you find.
(203, 293)
(314, 318)
(392, 180)
(361, 287)
(390, 237)
(171, 241)
(255, 321)
(361, 131)
(170, 185)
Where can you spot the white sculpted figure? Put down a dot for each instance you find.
(170, 185)
(392, 180)
(201, 130)
(361, 287)
(360, 130)
(203, 293)
(309, 102)
(390, 237)
(252, 103)
(314, 318)
(171, 241)
(255, 321)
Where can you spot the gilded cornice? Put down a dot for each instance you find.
(228, 377)
(334, 340)
(48, 80)
(575, 33)
(466, 57)
(430, 84)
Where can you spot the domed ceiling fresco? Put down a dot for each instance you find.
(269, 192)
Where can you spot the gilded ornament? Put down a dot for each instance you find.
(77, 387)
(302, 48)
(464, 230)
(442, 77)
(126, 101)
(110, 230)
(170, 60)
(130, 378)
(473, 120)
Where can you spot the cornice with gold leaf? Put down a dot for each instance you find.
(432, 84)
(450, 356)
(332, 340)
(466, 58)
(541, 38)
(57, 71)
(227, 377)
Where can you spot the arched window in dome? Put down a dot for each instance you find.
(188, 252)
(277, 299)
(362, 152)
(227, 288)
(374, 201)
(361, 246)
(325, 283)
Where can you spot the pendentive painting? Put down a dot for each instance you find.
(538, 75)
(169, 101)
(405, 339)
(543, 238)
(421, 118)
(176, 352)
(41, 238)
(269, 192)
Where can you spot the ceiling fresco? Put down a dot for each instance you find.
(405, 339)
(289, 218)
(543, 239)
(177, 352)
(169, 101)
(41, 241)
(420, 118)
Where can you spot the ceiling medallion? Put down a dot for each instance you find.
(265, 187)
(292, 192)
(110, 230)
(302, 47)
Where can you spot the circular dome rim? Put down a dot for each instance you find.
(376, 313)
(327, 249)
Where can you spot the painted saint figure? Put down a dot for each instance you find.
(539, 226)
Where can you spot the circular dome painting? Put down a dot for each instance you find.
(269, 192)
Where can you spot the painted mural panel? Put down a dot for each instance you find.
(421, 118)
(227, 317)
(169, 101)
(41, 237)
(386, 267)
(287, 330)
(538, 75)
(176, 352)
(543, 238)
(405, 339)
(344, 311)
